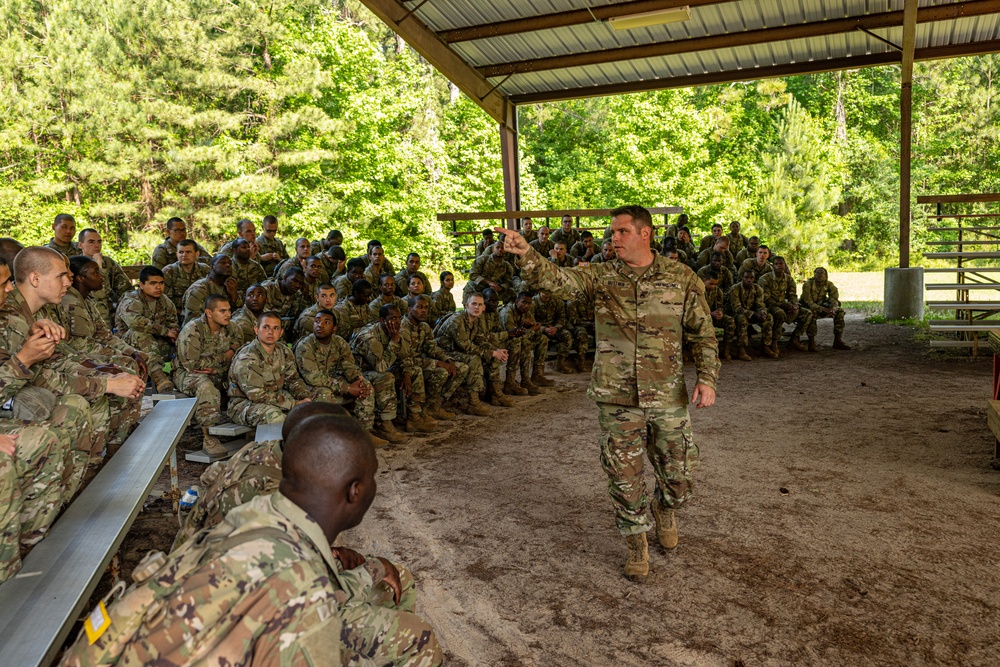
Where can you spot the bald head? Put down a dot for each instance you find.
(304, 411)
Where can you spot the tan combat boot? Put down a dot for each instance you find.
(839, 344)
(529, 386)
(436, 410)
(211, 444)
(726, 345)
(498, 399)
(417, 424)
(476, 406)
(812, 344)
(511, 388)
(743, 354)
(666, 526)
(563, 366)
(771, 351)
(538, 375)
(796, 344)
(390, 432)
(162, 382)
(377, 442)
(637, 565)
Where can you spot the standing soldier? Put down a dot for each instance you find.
(517, 315)
(551, 314)
(245, 318)
(219, 281)
(821, 297)
(205, 349)
(647, 308)
(270, 249)
(246, 271)
(746, 303)
(116, 282)
(183, 273)
(376, 349)
(264, 383)
(435, 375)
(461, 336)
(147, 320)
(63, 232)
(782, 302)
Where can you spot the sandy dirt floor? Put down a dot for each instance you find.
(846, 514)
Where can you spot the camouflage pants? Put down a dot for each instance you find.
(207, 391)
(662, 434)
(434, 381)
(802, 320)
(384, 385)
(728, 326)
(10, 525)
(538, 344)
(380, 632)
(743, 323)
(581, 339)
(72, 422)
(564, 341)
(363, 409)
(838, 322)
(124, 416)
(474, 380)
(158, 350)
(519, 358)
(248, 413)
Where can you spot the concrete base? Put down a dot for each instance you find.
(904, 294)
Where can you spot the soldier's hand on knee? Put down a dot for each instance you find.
(349, 558)
(392, 578)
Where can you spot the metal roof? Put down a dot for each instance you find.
(523, 51)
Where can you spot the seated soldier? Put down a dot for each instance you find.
(668, 248)
(165, 254)
(353, 313)
(558, 255)
(180, 275)
(116, 282)
(434, 375)
(302, 253)
(387, 297)
(721, 246)
(378, 265)
(264, 383)
(444, 302)
(580, 322)
(283, 294)
(205, 349)
(821, 297)
(245, 318)
(334, 261)
(376, 349)
(147, 320)
(527, 230)
(737, 242)
(355, 272)
(255, 470)
(710, 240)
(63, 232)
(517, 316)
(716, 299)
(312, 273)
(746, 303)
(415, 287)
(334, 238)
(219, 281)
(542, 244)
(566, 232)
(608, 252)
(719, 271)
(270, 588)
(487, 241)
(584, 248)
(326, 299)
(685, 246)
(551, 314)
(246, 271)
(749, 251)
(492, 271)
(270, 249)
(367, 259)
(460, 336)
(246, 230)
(782, 302)
(759, 264)
(500, 337)
(327, 365)
(411, 271)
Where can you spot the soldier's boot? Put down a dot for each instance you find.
(666, 526)
(796, 344)
(726, 345)
(498, 399)
(162, 382)
(838, 342)
(390, 432)
(812, 344)
(743, 354)
(211, 444)
(637, 565)
(476, 406)
(436, 410)
(563, 366)
(512, 388)
(418, 424)
(377, 442)
(771, 351)
(581, 364)
(538, 375)
(529, 386)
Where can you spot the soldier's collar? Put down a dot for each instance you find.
(307, 525)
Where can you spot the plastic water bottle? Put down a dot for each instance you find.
(189, 498)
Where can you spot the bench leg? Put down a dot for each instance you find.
(996, 377)
(175, 492)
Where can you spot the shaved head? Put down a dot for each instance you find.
(304, 411)
(36, 259)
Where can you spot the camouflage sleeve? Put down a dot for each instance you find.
(194, 300)
(790, 294)
(758, 298)
(735, 304)
(476, 272)
(294, 383)
(189, 349)
(808, 299)
(119, 280)
(136, 320)
(251, 384)
(379, 357)
(834, 294)
(159, 259)
(409, 355)
(13, 375)
(312, 372)
(563, 283)
(700, 333)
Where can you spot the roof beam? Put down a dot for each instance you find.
(753, 74)
(747, 38)
(563, 19)
(437, 53)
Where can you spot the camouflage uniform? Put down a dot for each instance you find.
(279, 271)
(88, 333)
(304, 323)
(638, 379)
(419, 354)
(377, 357)
(543, 248)
(116, 284)
(351, 318)
(176, 281)
(244, 321)
(197, 349)
(572, 237)
(716, 299)
(752, 265)
(373, 277)
(464, 339)
(166, 254)
(376, 305)
(744, 304)
(247, 274)
(534, 344)
(553, 314)
(566, 260)
(255, 470)
(286, 305)
(343, 286)
(403, 282)
(499, 339)
(725, 277)
(580, 319)
(737, 242)
(705, 259)
(71, 250)
(263, 588)
(488, 268)
(266, 246)
(815, 297)
(262, 386)
(330, 369)
(482, 246)
(781, 291)
(198, 293)
(443, 304)
(529, 236)
(143, 323)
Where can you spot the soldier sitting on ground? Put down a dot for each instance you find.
(721, 246)
(353, 313)
(551, 314)
(608, 252)
(508, 339)
(311, 279)
(298, 600)
(378, 265)
(302, 253)
(245, 229)
(527, 231)
(821, 297)
(749, 251)
(355, 272)
(180, 275)
(326, 299)
(205, 349)
(63, 232)
(736, 240)
(434, 374)
(460, 335)
(716, 300)
(376, 350)
(219, 281)
(264, 383)
(580, 322)
(782, 302)
(147, 320)
(746, 303)
(566, 232)
(245, 318)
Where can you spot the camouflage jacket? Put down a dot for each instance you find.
(510, 318)
(350, 318)
(444, 302)
(137, 312)
(374, 350)
(744, 301)
(373, 276)
(752, 265)
(566, 260)
(87, 330)
(716, 299)
(199, 349)
(116, 284)
(579, 249)
(199, 291)
(551, 314)
(71, 250)
(458, 332)
(778, 291)
(176, 281)
(244, 321)
(255, 470)
(343, 286)
(543, 248)
(284, 265)
(725, 277)
(278, 301)
(815, 296)
(376, 305)
(571, 237)
(304, 322)
(418, 349)
(271, 379)
(705, 259)
(262, 588)
(530, 236)
(166, 254)
(330, 365)
(641, 325)
(580, 310)
(403, 282)
(266, 246)
(247, 274)
(737, 242)
(494, 329)
(488, 268)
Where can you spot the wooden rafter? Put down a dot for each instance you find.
(750, 37)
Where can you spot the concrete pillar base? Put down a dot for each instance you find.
(904, 294)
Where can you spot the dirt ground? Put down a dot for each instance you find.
(845, 513)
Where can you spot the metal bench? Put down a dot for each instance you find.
(964, 305)
(227, 430)
(39, 607)
(268, 432)
(964, 325)
(960, 286)
(985, 254)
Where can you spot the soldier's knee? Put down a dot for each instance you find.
(33, 404)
